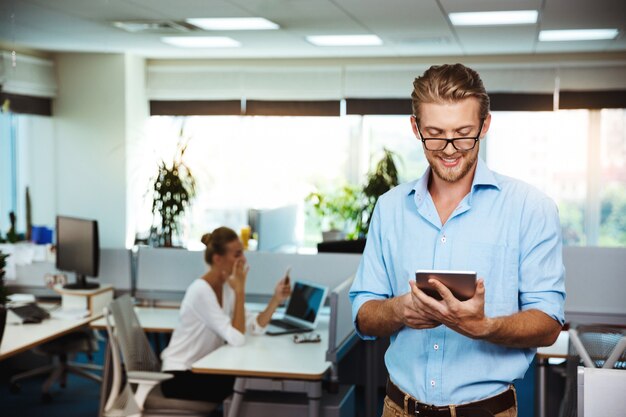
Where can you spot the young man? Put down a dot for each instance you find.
(451, 357)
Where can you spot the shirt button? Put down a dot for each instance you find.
(436, 346)
(432, 383)
(443, 239)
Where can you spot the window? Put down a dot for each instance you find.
(577, 157)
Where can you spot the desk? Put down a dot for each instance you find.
(152, 319)
(558, 350)
(21, 337)
(265, 359)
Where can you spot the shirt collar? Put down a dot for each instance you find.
(483, 176)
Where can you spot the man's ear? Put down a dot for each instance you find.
(486, 125)
(414, 126)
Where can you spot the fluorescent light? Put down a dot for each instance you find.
(233, 23)
(345, 40)
(201, 41)
(577, 35)
(515, 17)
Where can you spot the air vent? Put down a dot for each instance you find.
(425, 41)
(154, 26)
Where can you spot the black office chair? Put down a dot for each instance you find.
(342, 246)
(60, 350)
(591, 346)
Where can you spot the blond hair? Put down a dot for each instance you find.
(449, 83)
(216, 242)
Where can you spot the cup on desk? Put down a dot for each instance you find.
(245, 236)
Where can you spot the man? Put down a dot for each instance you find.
(451, 357)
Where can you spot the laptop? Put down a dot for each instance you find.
(302, 311)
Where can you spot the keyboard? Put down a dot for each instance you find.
(30, 313)
(284, 325)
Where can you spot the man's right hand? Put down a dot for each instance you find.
(411, 315)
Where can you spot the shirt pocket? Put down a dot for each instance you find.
(496, 264)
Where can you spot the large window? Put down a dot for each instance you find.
(577, 157)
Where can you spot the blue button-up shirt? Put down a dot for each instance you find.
(505, 230)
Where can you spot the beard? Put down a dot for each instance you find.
(452, 174)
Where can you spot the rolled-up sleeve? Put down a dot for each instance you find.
(252, 324)
(542, 274)
(371, 281)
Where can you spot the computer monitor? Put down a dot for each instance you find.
(78, 250)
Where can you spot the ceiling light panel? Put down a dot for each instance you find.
(345, 40)
(201, 41)
(233, 23)
(513, 17)
(577, 35)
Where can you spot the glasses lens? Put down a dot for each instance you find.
(464, 144)
(435, 144)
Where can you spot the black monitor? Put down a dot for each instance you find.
(78, 250)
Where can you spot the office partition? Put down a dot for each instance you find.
(165, 273)
(324, 268)
(595, 281)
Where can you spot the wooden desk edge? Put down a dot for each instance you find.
(255, 374)
(47, 339)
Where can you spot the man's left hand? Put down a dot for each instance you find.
(465, 317)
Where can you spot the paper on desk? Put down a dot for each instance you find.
(70, 313)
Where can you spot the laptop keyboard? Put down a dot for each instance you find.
(284, 325)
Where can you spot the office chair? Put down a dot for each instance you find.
(135, 363)
(592, 346)
(61, 350)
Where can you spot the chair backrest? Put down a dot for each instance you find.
(121, 400)
(599, 346)
(133, 342)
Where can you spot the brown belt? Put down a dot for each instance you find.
(483, 408)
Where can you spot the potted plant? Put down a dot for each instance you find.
(3, 295)
(336, 212)
(382, 179)
(173, 188)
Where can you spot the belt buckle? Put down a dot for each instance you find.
(425, 410)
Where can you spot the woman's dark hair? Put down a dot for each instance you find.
(216, 242)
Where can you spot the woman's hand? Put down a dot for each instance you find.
(237, 279)
(282, 290)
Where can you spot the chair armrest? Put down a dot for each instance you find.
(147, 377)
(145, 382)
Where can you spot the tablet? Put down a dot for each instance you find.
(462, 284)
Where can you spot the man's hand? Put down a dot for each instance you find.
(465, 317)
(411, 315)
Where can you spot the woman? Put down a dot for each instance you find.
(212, 313)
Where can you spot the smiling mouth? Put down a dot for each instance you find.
(450, 162)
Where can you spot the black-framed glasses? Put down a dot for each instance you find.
(460, 144)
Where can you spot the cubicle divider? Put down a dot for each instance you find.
(595, 282)
(329, 269)
(165, 273)
(341, 336)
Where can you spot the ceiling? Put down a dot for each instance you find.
(408, 28)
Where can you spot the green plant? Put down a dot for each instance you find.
(3, 288)
(337, 210)
(173, 188)
(382, 179)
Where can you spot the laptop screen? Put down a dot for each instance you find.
(305, 302)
